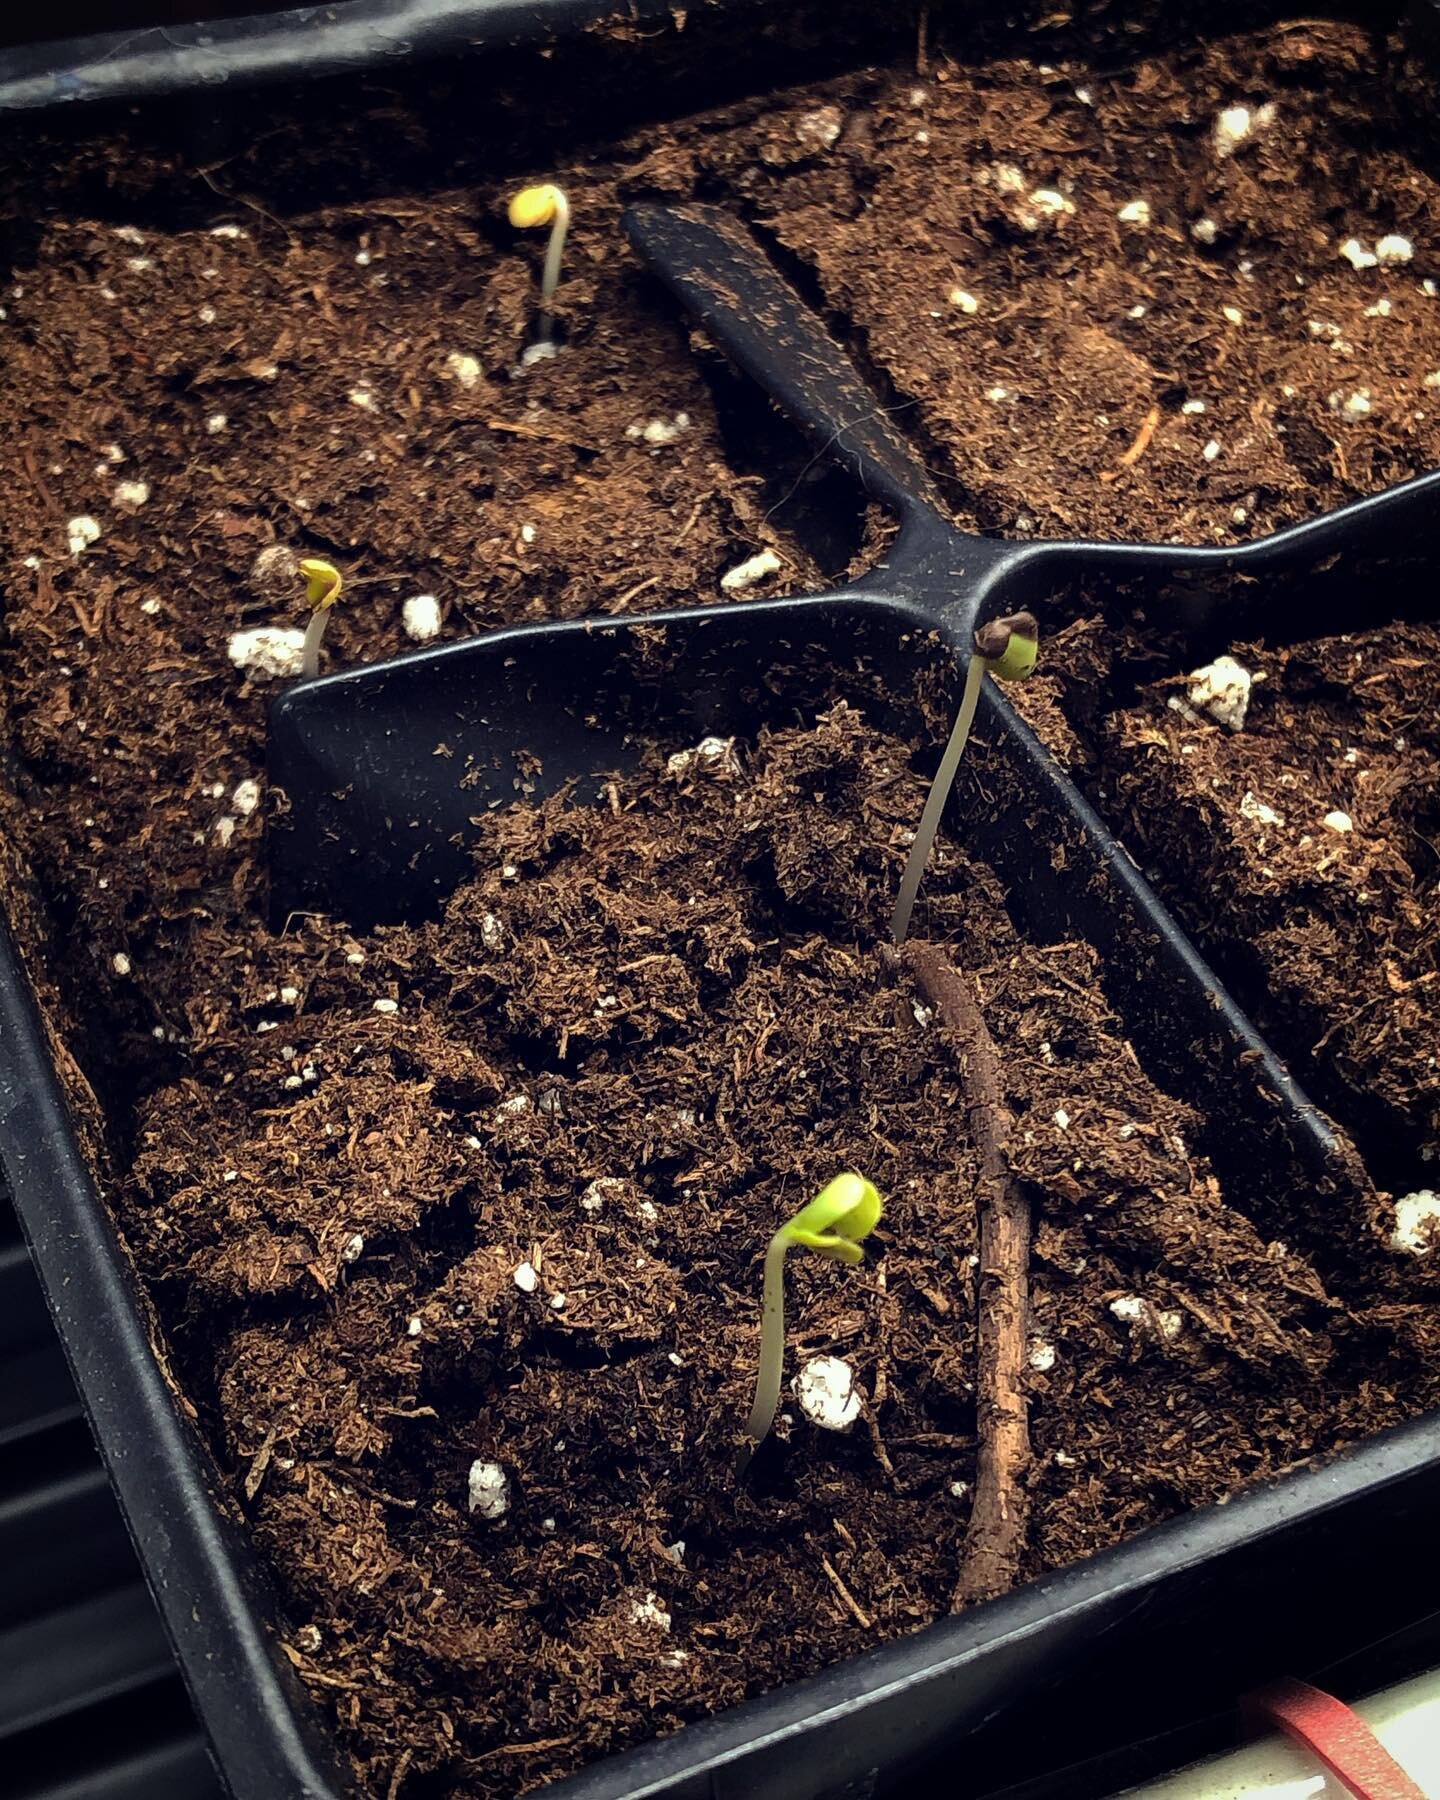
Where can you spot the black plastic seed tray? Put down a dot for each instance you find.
(1155, 1636)
(90, 1698)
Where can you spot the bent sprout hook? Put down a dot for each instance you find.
(834, 1223)
(324, 585)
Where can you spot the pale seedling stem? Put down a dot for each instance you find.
(544, 204)
(323, 587)
(843, 1213)
(1005, 648)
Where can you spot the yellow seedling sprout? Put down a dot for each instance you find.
(323, 586)
(834, 1223)
(1005, 648)
(544, 204)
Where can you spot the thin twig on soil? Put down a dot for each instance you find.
(630, 593)
(862, 1618)
(1149, 426)
(397, 1775)
(995, 1537)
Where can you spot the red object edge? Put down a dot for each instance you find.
(1339, 1737)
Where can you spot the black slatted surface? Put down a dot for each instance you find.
(91, 1707)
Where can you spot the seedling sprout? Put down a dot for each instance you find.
(1005, 648)
(834, 1223)
(323, 587)
(544, 204)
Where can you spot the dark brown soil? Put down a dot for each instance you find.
(636, 1042)
(1327, 935)
(290, 382)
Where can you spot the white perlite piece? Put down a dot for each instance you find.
(1133, 1309)
(1134, 212)
(386, 1007)
(1338, 821)
(660, 432)
(604, 1188)
(269, 651)
(464, 368)
(825, 1388)
(120, 962)
(1357, 255)
(487, 1490)
(747, 573)
(361, 397)
(1393, 249)
(216, 423)
(647, 1610)
(354, 1249)
(711, 756)
(420, 616)
(246, 796)
(1204, 231)
(130, 496)
(1417, 1224)
(963, 301)
(1251, 808)
(525, 1277)
(492, 932)
(1351, 406)
(1237, 123)
(820, 130)
(276, 565)
(1050, 203)
(1042, 1355)
(81, 532)
(1222, 689)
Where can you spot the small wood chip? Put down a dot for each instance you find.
(861, 1616)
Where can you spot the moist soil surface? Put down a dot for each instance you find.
(228, 351)
(514, 1213)
(1302, 851)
